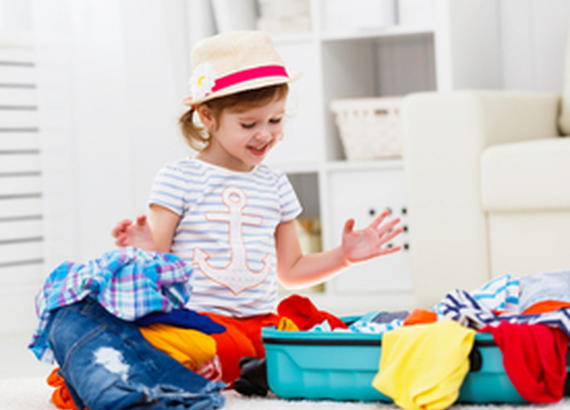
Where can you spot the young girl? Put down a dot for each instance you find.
(229, 215)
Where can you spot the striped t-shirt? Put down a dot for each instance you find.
(227, 231)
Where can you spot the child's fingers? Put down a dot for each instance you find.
(391, 235)
(141, 219)
(389, 225)
(385, 251)
(348, 226)
(378, 220)
(120, 227)
(121, 240)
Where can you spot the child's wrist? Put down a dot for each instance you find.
(345, 262)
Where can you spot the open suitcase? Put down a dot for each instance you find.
(341, 366)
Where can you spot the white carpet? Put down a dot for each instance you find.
(34, 394)
(237, 402)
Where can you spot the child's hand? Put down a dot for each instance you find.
(138, 234)
(367, 243)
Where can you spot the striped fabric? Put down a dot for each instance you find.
(227, 231)
(463, 308)
(501, 293)
(127, 282)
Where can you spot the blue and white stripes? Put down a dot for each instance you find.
(496, 301)
(501, 293)
(460, 306)
(205, 196)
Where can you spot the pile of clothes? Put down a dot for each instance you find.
(122, 337)
(118, 329)
(426, 353)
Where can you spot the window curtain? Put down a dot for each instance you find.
(112, 75)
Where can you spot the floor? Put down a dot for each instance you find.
(22, 386)
(17, 361)
(34, 394)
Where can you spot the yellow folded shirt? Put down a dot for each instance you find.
(188, 346)
(423, 366)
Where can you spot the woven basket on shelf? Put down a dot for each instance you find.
(370, 128)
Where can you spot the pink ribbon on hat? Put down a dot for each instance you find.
(249, 74)
(246, 75)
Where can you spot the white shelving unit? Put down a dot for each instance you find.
(388, 61)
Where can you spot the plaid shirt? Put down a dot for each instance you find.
(128, 282)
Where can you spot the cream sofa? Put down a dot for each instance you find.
(488, 187)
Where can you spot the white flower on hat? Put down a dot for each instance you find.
(202, 81)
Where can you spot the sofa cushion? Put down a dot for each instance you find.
(526, 176)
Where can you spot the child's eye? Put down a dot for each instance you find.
(248, 125)
(275, 120)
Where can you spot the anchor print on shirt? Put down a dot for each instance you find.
(237, 276)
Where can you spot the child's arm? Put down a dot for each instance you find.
(163, 223)
(296, 270)
(156, 235)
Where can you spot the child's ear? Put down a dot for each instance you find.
(206, 116)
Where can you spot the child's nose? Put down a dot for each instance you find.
(263, 135)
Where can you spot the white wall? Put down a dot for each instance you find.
(533, 36)
(16, 15)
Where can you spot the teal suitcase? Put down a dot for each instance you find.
(341, 366)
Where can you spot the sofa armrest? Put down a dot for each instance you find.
(444, 136)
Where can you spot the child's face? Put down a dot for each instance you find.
(242, 139)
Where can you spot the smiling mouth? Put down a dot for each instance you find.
(258, 150)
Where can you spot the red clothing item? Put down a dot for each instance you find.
(305, 315)
(534, 357)
(241, 338)
(243, 335)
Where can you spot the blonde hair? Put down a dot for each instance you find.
(199, 138)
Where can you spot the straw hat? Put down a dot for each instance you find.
(232, 62)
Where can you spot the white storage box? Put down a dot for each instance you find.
(370, 128)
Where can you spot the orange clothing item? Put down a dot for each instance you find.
(61, 397)
(241, 338)
(545, 306)
(419, 316)
(187, 346)
(287, 324)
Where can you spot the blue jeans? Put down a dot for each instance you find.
(107, 364)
